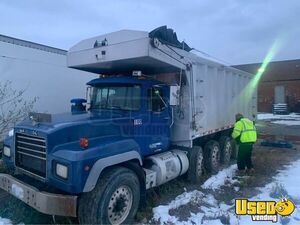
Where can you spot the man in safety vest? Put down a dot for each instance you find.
(244, 133)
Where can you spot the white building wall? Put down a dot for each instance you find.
(42, 74)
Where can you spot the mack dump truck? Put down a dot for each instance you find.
(156, 112)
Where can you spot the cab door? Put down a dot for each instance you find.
(159, 117)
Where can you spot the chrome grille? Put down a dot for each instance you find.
(31, 154)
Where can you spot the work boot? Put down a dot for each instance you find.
(240, 172)
(250, 171)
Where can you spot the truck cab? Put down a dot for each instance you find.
(126, 109)
(145, 102)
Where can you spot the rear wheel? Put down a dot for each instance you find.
(226, 149)
(195, 170)
(114, 200)
(212, 156)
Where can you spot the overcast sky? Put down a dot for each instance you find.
(236, 31)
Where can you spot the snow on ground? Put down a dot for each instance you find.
(5, 221)
(271, 116)
(292, 119)
(225, 175)
(285, 184)
(288, 122)
(162, 212)
(290, 179)
(211, 210)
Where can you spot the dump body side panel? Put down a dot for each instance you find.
(218, 94)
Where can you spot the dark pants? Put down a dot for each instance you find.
(244, 156)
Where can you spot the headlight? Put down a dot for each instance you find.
(61, 171)
(6, 151)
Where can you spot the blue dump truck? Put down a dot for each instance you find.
(156, 112)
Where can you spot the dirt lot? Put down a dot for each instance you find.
(267, 162)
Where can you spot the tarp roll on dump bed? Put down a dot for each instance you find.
(211, 93)
(168, 36)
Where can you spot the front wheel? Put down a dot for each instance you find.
(114, 200)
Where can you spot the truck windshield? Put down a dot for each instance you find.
(116, 97)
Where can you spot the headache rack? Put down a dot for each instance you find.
(31, 154)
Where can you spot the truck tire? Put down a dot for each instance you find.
(212, 156)
(234, 149)
(195, 170)
(226, 149)
(115, 199)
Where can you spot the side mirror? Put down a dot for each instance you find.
(78, 105)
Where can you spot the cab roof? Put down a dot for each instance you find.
(124, 80)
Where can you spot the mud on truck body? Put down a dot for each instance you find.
(156, 112)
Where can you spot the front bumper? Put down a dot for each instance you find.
(48, 203)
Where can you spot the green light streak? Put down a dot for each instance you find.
(245, 97)
(272, 52)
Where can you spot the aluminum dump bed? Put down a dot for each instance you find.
(211, 93)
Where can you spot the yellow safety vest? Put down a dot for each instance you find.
(246, 130)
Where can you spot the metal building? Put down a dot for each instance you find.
(280, 83)
(41, 70)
